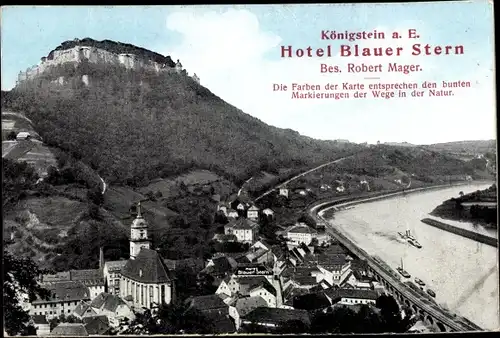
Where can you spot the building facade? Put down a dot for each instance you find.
(65, 297)
(112, 275)
(244, 229)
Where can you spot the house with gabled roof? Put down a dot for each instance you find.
(222, 238)
(113, 307)
(224, 290)
(224, 207)
(357, 280)
(239, 202)
(240, 306)
(97, 325)
(23, 136)
(242, 285)
(261, 244)
(64, 298)
(220, 266)
(311, 301)
(195, 264)
(300, 233)
(290, 292)
(268, 212)
(69, 329)
(244, 229)
(335, 267)
(232, 214)
(283, 191)
(275, 317)
(253, 213)
(208, 304)
(93, 279)
(215, 310)
(260, 256)
(266, 291)
(83, 310)
(41, 325)
(351, 296)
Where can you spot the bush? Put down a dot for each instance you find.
(11, 136)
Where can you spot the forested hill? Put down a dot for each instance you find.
(132, 126)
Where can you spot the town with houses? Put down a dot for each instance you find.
(268, 285)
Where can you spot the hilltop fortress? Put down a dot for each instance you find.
(103, 52)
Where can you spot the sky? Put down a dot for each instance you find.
(236, 52)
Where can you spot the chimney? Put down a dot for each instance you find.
(101, 258)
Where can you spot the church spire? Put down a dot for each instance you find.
(139, 210)
(138, 234)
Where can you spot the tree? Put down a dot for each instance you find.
(95, 196)
(307, 219)
(391, 314)
(314, 242)
(220, 218)
(12, 135)
(205, 284)
(17, 178)
(93, 211)
(293, 326)
(340, 320)
(19, 278)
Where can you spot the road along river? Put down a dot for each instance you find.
(462, 272)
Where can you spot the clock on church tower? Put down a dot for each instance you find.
(139, 234)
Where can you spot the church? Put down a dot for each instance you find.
(144, 281)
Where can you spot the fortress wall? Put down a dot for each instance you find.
(93, 55)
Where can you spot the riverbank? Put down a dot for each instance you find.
(322, 206)
(478, 207)
(462, 272)
(462, 232)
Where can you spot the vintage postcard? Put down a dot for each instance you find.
(235, 169)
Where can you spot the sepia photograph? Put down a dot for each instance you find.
(249, 169)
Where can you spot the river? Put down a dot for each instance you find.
(462, 272)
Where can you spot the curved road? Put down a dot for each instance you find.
(104, 185)
(18, 115)
(300, 175)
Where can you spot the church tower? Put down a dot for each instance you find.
(138, 234)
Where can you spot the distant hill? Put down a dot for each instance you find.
(400, 144)
(471, 147)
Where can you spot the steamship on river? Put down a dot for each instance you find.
(410, 239)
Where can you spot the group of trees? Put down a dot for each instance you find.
(485, 215)
(176, 318)
(53, 322)
(18, 178)
(19, 279)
